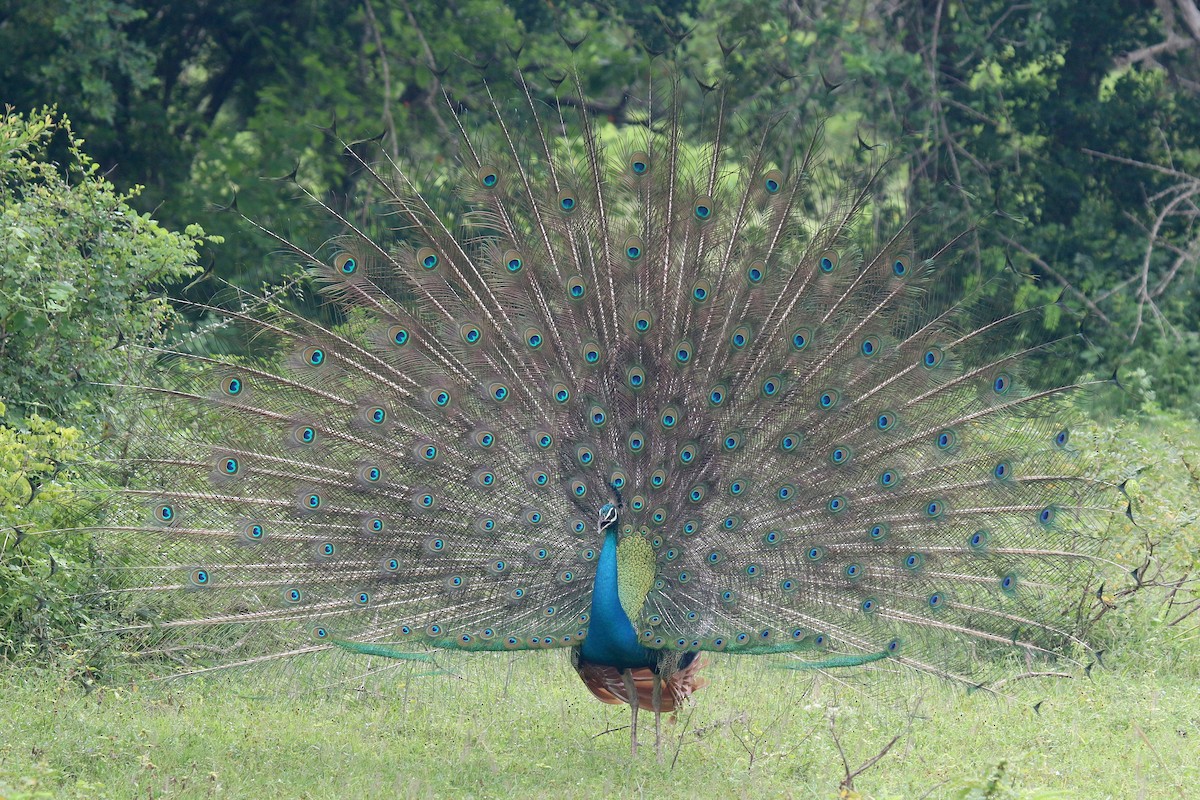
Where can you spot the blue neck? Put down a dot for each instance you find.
(612, 640)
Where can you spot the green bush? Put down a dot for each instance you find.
(79, 272)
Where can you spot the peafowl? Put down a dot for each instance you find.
(623, 395)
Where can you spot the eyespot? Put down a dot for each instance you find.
(731, 523)
(785, 492)
(485, 478)
(398, 335)
(560, 393)
(878, 532)
(229, 465)
(486, 525)
(670, 417)
(326, 549)
(829, 399)
(979, 540)
(513, 261)
(292, 596)
(1062, 438)
(756, 272)
(658, 478)
(773, 181)
(1046, 515)
(370, 474)
(789, 442)
(597, 415)
(200, 577)
(164, 513)
(659, 516)
(936, 600)
(469, 332)
(869, 346)
(738, 486)
(683, 353)
(946, 440)
(702, 209)
(232, 386)
(886, 421)
(313, 356)
(889, 478)
(584, 455)
(578, 489)
(771, 385)
(688, 453)
(914, 561)
(542, 440)
(254, 532)
(1002, 383)
(800, 338)
(345, 264)
(933, 358)
(636, 441)
(853, 571)
(732, 441)
(837, 504)
(639, 163)
(484, 439)
(576, 288)
(567, 202)
(772, 537)
(643, 320)
(701, 291)
(899, 268)
(591, 353)
(839, 455)
(815, 554)
(439, 397)
(427, 257)
(373, 525)
(634, 247)
(635, 377)
(1002, 471)
(718, 394)
(697, 494)
(934, 509)
(828, 261)
(488, 177)
(690, 527)
(538, 477)
(740, 337)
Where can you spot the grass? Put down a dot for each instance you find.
(525, 727)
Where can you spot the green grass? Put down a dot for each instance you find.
(525, 727)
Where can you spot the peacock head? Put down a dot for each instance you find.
(608, 517)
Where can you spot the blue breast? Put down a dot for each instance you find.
(612, 640)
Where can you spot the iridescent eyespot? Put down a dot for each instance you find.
(934, 509)
(1046, 515)
(669, 417)
(254, 532)
(311, 501)
(639, 163)
(899, 268)
(576, 288)
(634, 248)
(717, 395)
(374, 525)
(869, 346)
(687, 454)
(701, 290)
(488, 177)
(439, 397)
(326, 549)
(498, 391)
(370, 474)
(978, 540)
(470, 333)
(636, 441)
(635, 377)
(773, 181)
(933, 358)
(543, 440)
(591, 353)
(1062, 437)
(513, 261)
(886, 421)
(828, 261)
(345, 263)
(578, 488)
(740, 337)
(800, 338)
(839, 455)
(560, 393)
(292, 596)
(164, 513)
(837, 504)
(230, 466)
(683, 352)
(828, 399)
(427, 257)
(936, 600)
(690, 527)
(485, 439)
(696, 494)
(398, 335)
(376, 415)
(732, 441)
(738, 486)
(314, 356)
(771, 385)
(889, 478)
(566, 201)
(853, 571)
(658, 478)
(878, 532)
(946, 439)
(785, 492)
(1002, 471)
(597, 415)
(362, 598)
(643, 320)
(485, 478)
(815, 553)
(584, 455)
(772, 537)
(1002, 383)
(703, 208)
(756, 272)
(232, 386)
(1008, 583)
(914, 561)
(789, 442)
(200, 577)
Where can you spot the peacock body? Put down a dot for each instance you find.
(627, 396)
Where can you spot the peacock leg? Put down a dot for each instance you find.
(631, 690)
(658, 686)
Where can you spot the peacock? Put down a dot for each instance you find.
(602, 389)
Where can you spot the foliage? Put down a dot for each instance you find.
(78, 270)
(44, 570)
